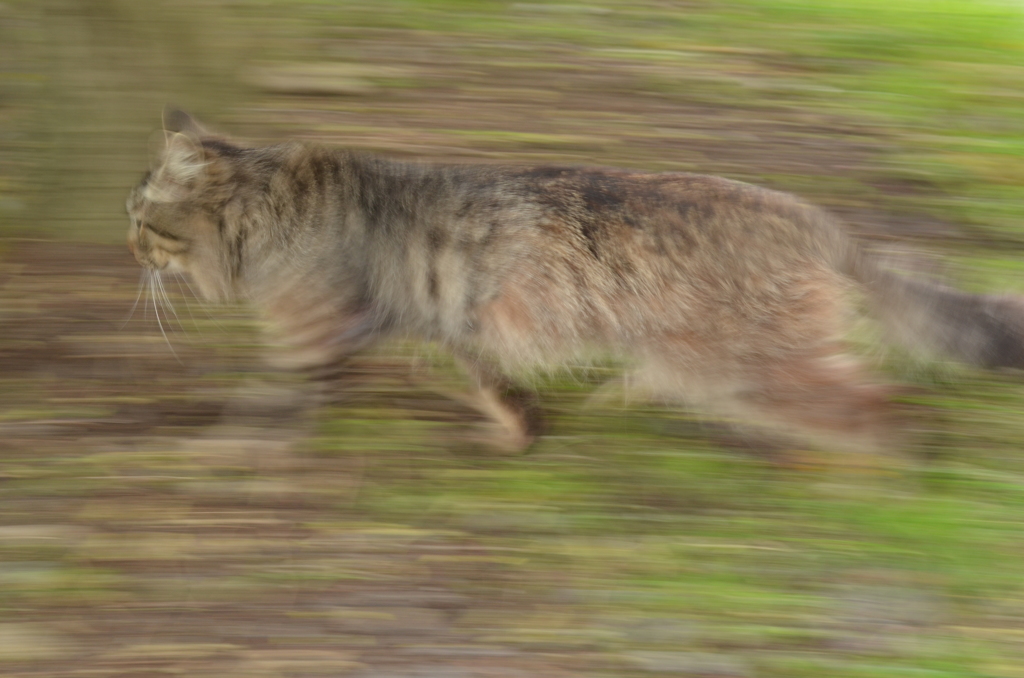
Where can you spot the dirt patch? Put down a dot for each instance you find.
(143, 535)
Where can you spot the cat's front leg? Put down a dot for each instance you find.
(513, 412)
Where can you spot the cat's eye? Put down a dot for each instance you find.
(159, 232)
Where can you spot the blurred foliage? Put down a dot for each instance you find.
(631, 540)
(941, 82)
(83, 84)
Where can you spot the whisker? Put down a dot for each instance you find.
(138, 295)
(168, 304)
(163, 295)
(149, 294)
(188, 306)
(160, 323)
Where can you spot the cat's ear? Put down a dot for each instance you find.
(184, 161)
(180, 168)
(180, 122)
(181, 157)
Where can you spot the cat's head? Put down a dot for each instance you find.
(179, 211)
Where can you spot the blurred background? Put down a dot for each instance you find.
(140, 534)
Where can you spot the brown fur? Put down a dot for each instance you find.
(719, 293)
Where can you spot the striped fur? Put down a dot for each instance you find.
(715, 292)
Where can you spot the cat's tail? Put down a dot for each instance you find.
(978, 329)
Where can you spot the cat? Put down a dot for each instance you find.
(713, 293)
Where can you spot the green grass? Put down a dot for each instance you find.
(767, 564)
(613, 529)
(643, 525)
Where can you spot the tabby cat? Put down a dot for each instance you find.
(713, 292)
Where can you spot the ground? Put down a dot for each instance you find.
(167, 511)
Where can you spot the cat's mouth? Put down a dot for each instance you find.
(146, 259)
(151, 265)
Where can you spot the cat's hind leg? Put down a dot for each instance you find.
(822, 398)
